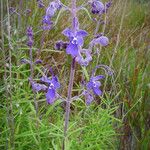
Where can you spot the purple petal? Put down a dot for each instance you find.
(51, 10)
(38, 61)
(80, 41)
(97, 7)
(84, 61)
(55, 82)
(103, 40)
(50, 96)
(38, 87)
(47, 27)
(97, 84)
(82, 33)
(45, 79)
(75, 23)
(89, 98)
(98, 77)
(97, 91)
(46, 20)
(89, 85)
(68, 32)
(72, 49)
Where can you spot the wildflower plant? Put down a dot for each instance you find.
(75, 48)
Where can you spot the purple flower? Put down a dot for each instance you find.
(50, 86)
(53, 85)
(84, 60)
(50, 12)
(29, 32)
(30, 36)
(94, 85)
(76, 41)
(108, 4)
(52, 8)
(40, 3)
(47, 23)
(102, 40)
(97, 7)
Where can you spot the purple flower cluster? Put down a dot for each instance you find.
(30, 36)
(50, 12)
(74, 47)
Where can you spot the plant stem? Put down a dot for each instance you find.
(67, 112)
(72, 72)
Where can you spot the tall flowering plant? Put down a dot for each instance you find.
(75, 48)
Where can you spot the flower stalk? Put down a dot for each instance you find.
(70, 87)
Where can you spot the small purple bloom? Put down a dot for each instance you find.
(52, 8)
(40, 3)
(97, 7)
(50, 12)
(29, 32)
(47, 23)
(53, 85)
(102, 40)
(108, 4)
(30, 36)
(76, 41)
(84, 61)
(38, 61)
(94, 84)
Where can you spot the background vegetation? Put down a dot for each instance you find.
(118, 120)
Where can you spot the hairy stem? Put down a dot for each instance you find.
(72, 72)
(67, 111)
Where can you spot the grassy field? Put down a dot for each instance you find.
(118, 120)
